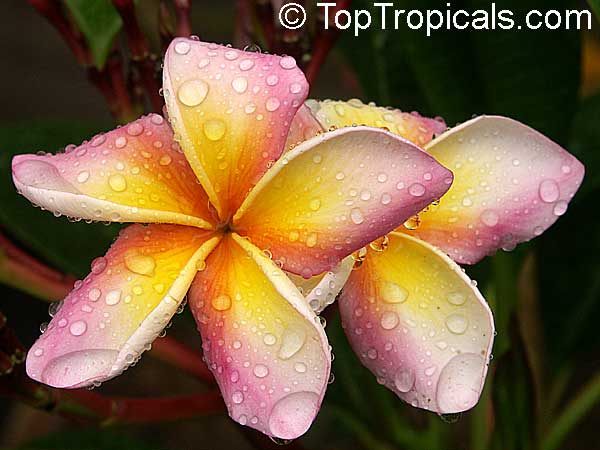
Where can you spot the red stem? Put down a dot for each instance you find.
(183, 357)
(90, 407)
(140, 52)
(183, 12)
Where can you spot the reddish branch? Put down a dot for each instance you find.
(141, 56)
(183, 10)
(90, 407)
(181, 356)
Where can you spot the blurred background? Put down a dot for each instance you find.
(543, 390)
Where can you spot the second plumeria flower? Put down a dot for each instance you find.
(229, 216)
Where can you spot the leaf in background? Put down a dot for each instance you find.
(67, 246)
(87, 439)
(595, 5)
(99, 22)
(585, 142)
(531, 76)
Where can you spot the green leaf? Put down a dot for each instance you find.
(87, 439)
(595, 5)
(585, 141)
(67, 246)
(99, 22)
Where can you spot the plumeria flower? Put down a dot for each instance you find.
(410, 312)
(228, 218)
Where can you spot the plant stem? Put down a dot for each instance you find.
(21, 271)
(90, 407)
(183, 357)
(573, 412)
(141, 57)
(182, 11)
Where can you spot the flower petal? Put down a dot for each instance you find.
(261, 340)
(510, 184)
(303, 127)
(232, 112)
(321, 291)
(335, 193)
(129, 297)
(419, 324)
(417, 129)
(134, 173)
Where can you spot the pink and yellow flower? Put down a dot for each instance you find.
(410, 312)
(228, 218)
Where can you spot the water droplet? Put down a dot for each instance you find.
(237, 397)
(38, 352)
(295, 88)
(221, 302)
(393, 293)
(193, 92)
(140, 264)
(246, 64)
(272, 104)
(300, 367)
(404, 380)
(356, 216)
(261, 371)
(315, 204)
(94, 294)
(272, 80)
(291, 342)
(549, 191)
(456, 298)
(182, 48)
(489, 218)
(292, 415)
(389, 320)
(135, 129)
(457, 323)
(560, 208)
(78, 328)
(82, 177)
(287, 62)
(214, 129)
(460, 383)
(121, 142)
(165, 160)
(239, 84)
(269, 339)
(416, 190)
(98, 265)
(113, 297)
(117, 182)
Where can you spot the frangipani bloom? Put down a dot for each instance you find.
(227, 217)
(411, 314)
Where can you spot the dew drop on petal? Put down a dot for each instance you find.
(549, 191)
(393, 293)
(193, 92)
(404, 380)
(78, 328)
(291, 342)
(457, 323)
(214, 129)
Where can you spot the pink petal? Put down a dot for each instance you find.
(135, 173)
(114, 314)
(419, 324)
(261, 340)
(510, 184)
(303, 127)
(335, 193)
(412, 126)
(232, 112)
